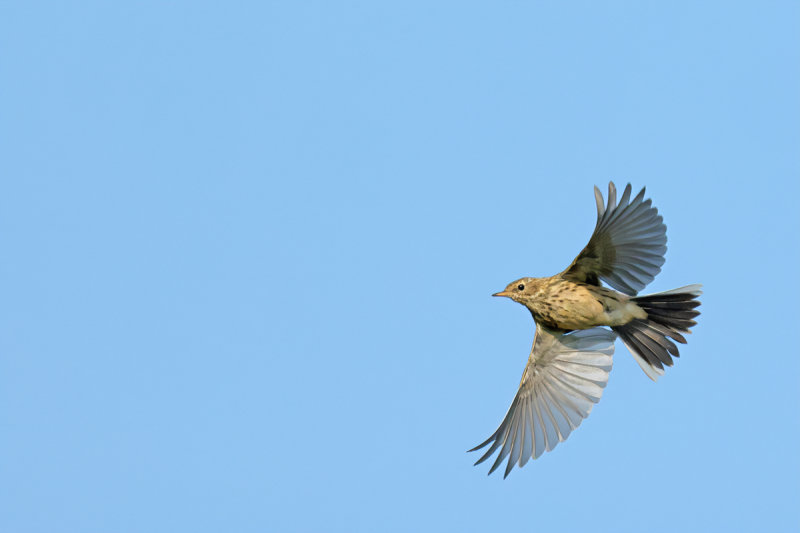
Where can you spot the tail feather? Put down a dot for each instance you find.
(665, 331)
(669, 314)
(658, 344)
(675, 314)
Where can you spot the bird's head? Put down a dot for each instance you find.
(519, 290)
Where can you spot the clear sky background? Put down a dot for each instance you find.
(248, 250)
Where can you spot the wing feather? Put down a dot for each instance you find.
(564, 378)
(627, 247)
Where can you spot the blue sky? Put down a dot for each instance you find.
(249, 250)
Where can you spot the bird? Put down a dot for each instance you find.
(572, 350)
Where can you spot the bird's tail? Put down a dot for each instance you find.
(669, 314)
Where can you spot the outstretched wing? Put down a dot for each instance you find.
(628, 244)
(564, 378)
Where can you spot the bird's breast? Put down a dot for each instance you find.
(566, 305)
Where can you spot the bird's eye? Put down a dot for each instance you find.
(520, 287)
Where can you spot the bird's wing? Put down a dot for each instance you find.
(564, 378)
(628, 244)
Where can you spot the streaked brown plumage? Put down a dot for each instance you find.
(571, 355)
(562, 304)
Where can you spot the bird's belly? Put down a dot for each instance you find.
(570, 310)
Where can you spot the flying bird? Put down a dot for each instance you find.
(572, 350)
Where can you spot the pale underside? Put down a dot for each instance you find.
(564, 378)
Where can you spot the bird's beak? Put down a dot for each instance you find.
(502, 293)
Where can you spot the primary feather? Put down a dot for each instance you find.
(627, 247)
(564, 378)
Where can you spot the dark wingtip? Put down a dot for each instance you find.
(479, 446)
(482, 459)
